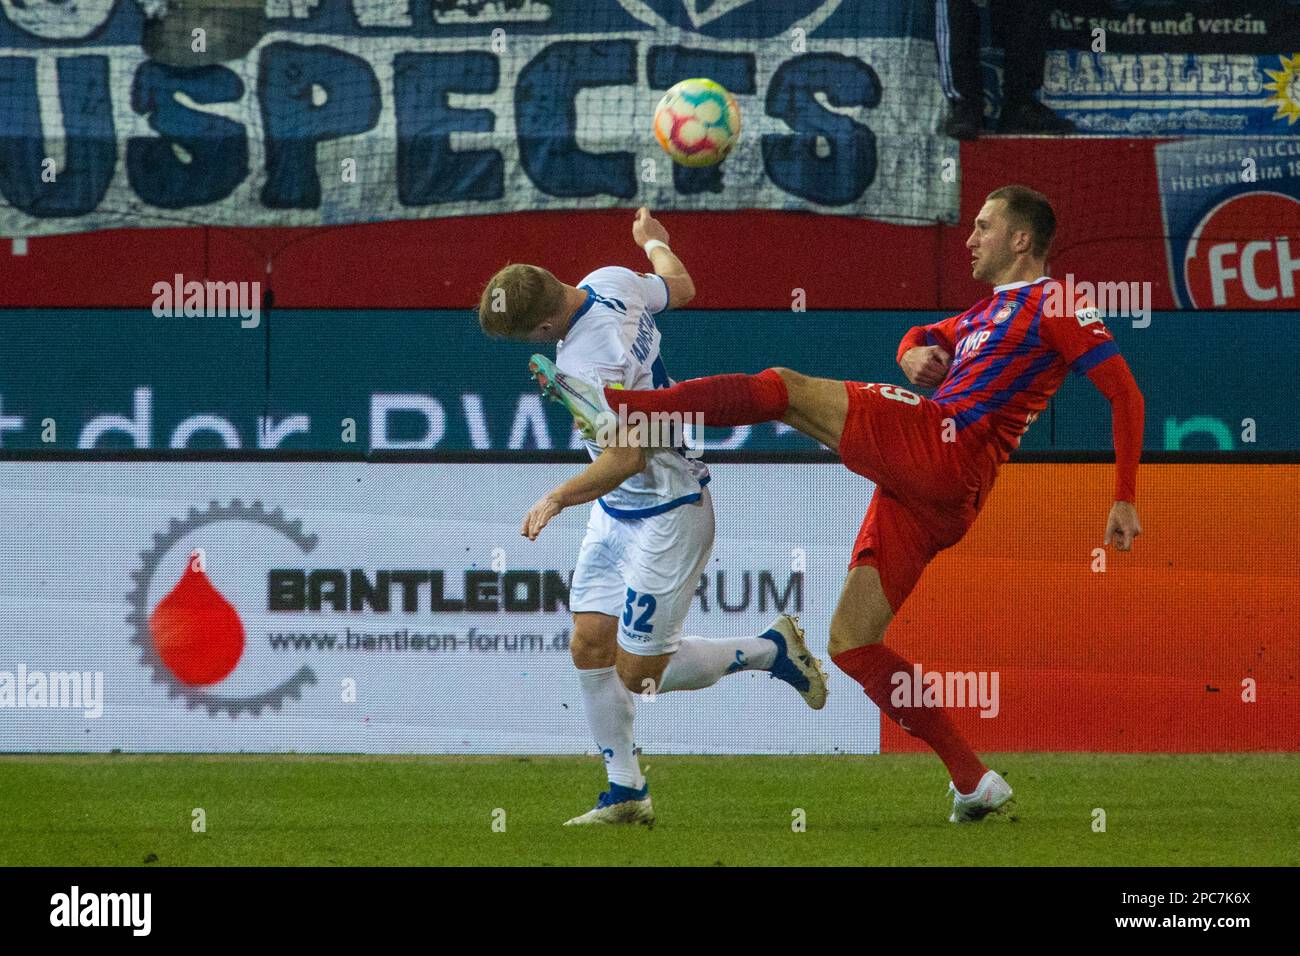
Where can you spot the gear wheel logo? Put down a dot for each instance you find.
(194, 637)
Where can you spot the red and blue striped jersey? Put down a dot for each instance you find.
(1010, 353)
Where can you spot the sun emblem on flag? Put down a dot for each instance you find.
(1286, 89)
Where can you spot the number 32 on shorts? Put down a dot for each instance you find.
(646, 604)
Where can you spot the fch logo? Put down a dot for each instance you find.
(1245, 254)
(1231, 220)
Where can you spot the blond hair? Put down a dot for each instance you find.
(518, 299)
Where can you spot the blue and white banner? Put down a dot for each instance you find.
(344, 111)
(354, 608)
(1174, 94)
(1231, 212)
(1174, 67)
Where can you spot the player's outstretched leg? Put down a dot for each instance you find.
(701, 662)
(857, 648)
(815, 406)
(723, 400)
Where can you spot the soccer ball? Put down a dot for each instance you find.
(697, 122)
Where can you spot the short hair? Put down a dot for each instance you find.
(518, 299)
(1029, 209)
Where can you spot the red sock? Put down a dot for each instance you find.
(723, 400)
(873, 666)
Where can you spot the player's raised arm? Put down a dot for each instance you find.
(650, 235)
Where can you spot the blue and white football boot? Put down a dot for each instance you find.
(794, 663)
(616, 805)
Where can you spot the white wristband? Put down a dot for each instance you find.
(653, 244)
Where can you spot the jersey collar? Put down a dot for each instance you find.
(584, 308)
(997, 289)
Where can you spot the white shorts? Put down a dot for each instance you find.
(644, 571)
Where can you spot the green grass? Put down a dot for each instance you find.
(293, 810)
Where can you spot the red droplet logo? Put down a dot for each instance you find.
(196, 631)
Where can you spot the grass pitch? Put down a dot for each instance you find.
(1161, 810)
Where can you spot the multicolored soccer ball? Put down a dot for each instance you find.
(697, 122)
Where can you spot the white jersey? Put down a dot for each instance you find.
(612, 340)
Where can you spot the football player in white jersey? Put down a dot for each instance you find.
(651, 528)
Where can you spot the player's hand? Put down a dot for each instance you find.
(1122, 525)
(646, 227)
(926, 365)
(539, 515)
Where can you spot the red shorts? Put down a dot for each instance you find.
(928, 491)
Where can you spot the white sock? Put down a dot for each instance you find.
(610, 712)
(701, 661)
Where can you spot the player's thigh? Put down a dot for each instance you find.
(902, 441)
(817, 406)
(863, 612)
(596, 594)
(663, 565)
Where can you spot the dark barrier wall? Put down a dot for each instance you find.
(359, 381)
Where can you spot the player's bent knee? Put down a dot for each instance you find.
(845, 636)
(593, 647)
(589, 657)
(789, 376)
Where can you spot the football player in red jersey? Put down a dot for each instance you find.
(933, 460)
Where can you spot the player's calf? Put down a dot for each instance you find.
(857, 648)
(699, 662)
(642, 674)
